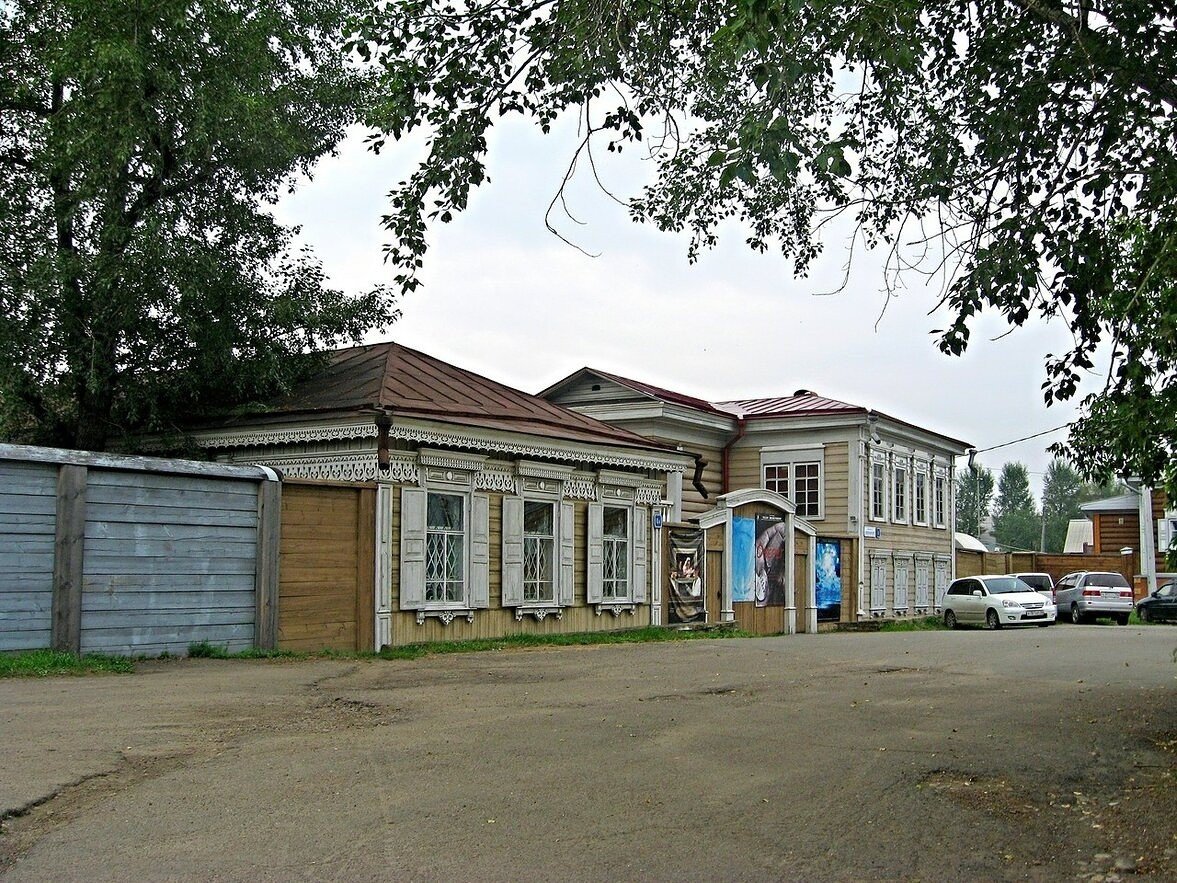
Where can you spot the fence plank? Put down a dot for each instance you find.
(269, 509)
(68, 558)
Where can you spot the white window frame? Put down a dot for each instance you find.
(940, 497)
(899, 490)
(610, 544)
(878, 488)
(618, 490)
(532, 583)
(790, 458)
(543, 484)
(462, 536)
(919, 483)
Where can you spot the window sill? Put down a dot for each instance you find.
(540, 612)
(616, 607)
(445, 614)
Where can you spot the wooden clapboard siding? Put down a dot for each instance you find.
(693, 503)
(326, 567)
(169, 560)
(28, 504)
(836, 486)
(744, 471)
(496, 621)
(801, 582)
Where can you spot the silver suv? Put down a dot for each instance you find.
(1087, 594)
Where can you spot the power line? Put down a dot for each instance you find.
(1019, 440)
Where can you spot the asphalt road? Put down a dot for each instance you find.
(1041, 754)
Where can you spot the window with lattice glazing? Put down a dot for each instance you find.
(776, 478)
(807, 489)
(940, 499)
(539, 551)
(445, 547)
(616, 553)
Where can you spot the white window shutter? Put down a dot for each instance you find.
(412, 565)
(478, 588)
(596, 553)
(641, 544)
(566, 589)
(512, 551)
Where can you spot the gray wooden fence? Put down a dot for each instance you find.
(128, 555)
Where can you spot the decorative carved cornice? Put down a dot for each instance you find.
(402, 468)
(451, 459)
(495, 480)
(534, 450)
(328, 467)
(581, 488)
(553, 471)
(538, 612)
(648, 495)
(292, 435)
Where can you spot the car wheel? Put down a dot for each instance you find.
(992, 621)
(1144, 615)
(1076, 616)
(950, 619)
(1122, 619)
(1043, 625)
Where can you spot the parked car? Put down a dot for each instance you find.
(995, 601)
(1160, 606)
(1088, 594)
(1039, 582)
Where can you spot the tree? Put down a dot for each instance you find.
(1021, 151)
(1062, 493)
(1016, 522)
(974, 491)
(142, 279)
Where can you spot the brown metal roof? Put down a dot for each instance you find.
(408, 383)
(657, 392)
(802, 403)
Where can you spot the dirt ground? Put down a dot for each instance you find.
(1045, 754)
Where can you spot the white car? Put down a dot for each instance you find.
(995, 601)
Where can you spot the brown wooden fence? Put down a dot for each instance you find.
(969, 563)
(326, 576)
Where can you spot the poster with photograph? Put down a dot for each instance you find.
(687, 598)
(769, 562)
(829, 580)
(743, 558)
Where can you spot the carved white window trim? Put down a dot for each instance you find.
(616, 608)
(446, 615)
(538, 612)
(877, 482)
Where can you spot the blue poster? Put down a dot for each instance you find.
(829, 579)
(743, 558)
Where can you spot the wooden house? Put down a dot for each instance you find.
(876, 490)
(492, 511)
(1140, 521)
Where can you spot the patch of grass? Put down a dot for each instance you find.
(923, 624)
(49, 663)
(206, 650)
(651, 634)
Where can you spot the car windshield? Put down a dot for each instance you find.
(1111, 580)
(1005, 585)
(1036, 581)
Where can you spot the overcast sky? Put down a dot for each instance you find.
(507, 299)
